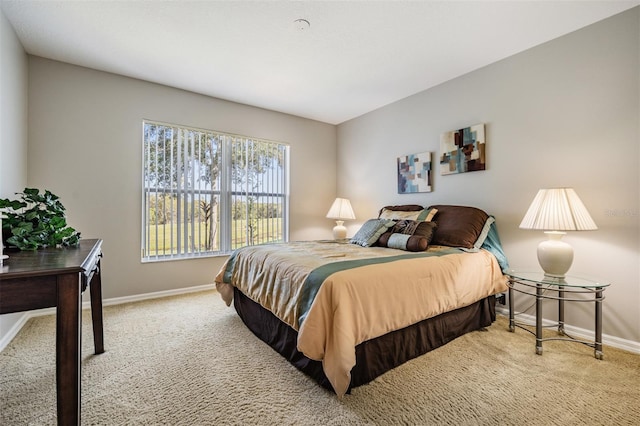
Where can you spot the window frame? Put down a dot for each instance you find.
(225, 194)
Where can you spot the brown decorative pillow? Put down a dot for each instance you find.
(403, 241)
(459, 226)
(414, 227)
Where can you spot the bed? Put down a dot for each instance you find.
(344, 312)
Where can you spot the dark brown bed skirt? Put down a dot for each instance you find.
(373, 357)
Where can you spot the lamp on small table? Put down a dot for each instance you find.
(340, 211)
(557, 210)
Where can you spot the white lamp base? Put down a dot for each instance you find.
(554, 255)
(339, 231)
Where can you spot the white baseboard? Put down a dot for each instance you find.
(154, 295)
(581, 333)
(13, 332)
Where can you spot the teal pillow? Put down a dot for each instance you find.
(370, 231)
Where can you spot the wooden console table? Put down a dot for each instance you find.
(57, 277)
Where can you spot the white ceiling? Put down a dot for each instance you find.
(356, 56)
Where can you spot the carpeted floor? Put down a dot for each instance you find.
(189, 360)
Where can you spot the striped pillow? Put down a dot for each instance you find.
(424, 215)
(403, 242)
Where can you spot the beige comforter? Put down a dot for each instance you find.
(361, 303)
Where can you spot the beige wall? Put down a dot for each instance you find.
(13, 111)
(565, 113)
(13, 125)
(85, 146)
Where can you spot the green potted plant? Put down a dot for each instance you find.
(36, 221)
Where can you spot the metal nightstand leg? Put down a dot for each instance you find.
(561, 310)
(598, 343)
(512, 325)
(539, 319)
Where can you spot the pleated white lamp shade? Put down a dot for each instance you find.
(556, 210)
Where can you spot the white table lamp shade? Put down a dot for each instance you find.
(557, 210)
(340, 211)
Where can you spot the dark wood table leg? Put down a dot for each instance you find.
(68, 348)
(95, 289)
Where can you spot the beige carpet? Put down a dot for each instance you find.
(189, 360)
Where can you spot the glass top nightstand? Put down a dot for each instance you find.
(567, 281)
(562, 289)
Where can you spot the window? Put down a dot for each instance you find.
(207, 193)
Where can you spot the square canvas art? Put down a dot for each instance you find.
(414, 173)
(462, 150)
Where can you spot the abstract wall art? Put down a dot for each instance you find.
(414, 173)
(463, 150)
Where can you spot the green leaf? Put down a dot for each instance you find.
(58, 222)
(31, 215)
(50, 196)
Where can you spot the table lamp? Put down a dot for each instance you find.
(557, 210)
(340, 211)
